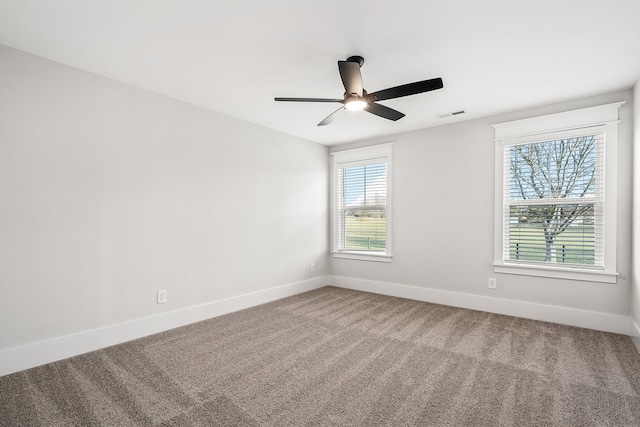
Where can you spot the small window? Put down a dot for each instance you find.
(361, 203)
(556, 195)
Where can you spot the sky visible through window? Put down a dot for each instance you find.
(563, 168)
(364, 181)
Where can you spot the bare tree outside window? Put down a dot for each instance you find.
(552, 207)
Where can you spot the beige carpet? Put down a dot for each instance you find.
(340, 357)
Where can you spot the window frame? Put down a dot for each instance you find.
(605, 119)
(365, 155)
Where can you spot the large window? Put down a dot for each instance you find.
(554, 200)
(361, 191)
(557, 195)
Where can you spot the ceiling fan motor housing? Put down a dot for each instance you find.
(357, 59)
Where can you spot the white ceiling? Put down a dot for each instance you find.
(234, 57)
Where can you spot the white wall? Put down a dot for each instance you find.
(109, 193)
(443, 207)
(635, 295)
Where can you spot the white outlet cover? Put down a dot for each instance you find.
(162, 297)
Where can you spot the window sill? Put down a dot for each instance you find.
(362, 256)
(557, 272)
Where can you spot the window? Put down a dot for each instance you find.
(361, 197)
(554, 200)
(556, 195)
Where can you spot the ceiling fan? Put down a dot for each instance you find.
(356, 98)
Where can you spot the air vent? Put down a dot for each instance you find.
(455, 113)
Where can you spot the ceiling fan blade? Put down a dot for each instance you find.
(331, 117)
(383, 111)
(309, 99)
(351, 77)
(406, 90)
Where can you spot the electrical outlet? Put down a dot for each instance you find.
(162, 296)
(492, 283)
(313, 268)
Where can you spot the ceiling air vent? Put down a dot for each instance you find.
(455, 113)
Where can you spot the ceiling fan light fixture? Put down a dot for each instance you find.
(356, 105)
(356, 98)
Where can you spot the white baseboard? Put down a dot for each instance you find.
(548, 313)
(28, 356)
(634, 333)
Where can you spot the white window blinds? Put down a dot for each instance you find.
(362, 206)
(554, 200)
